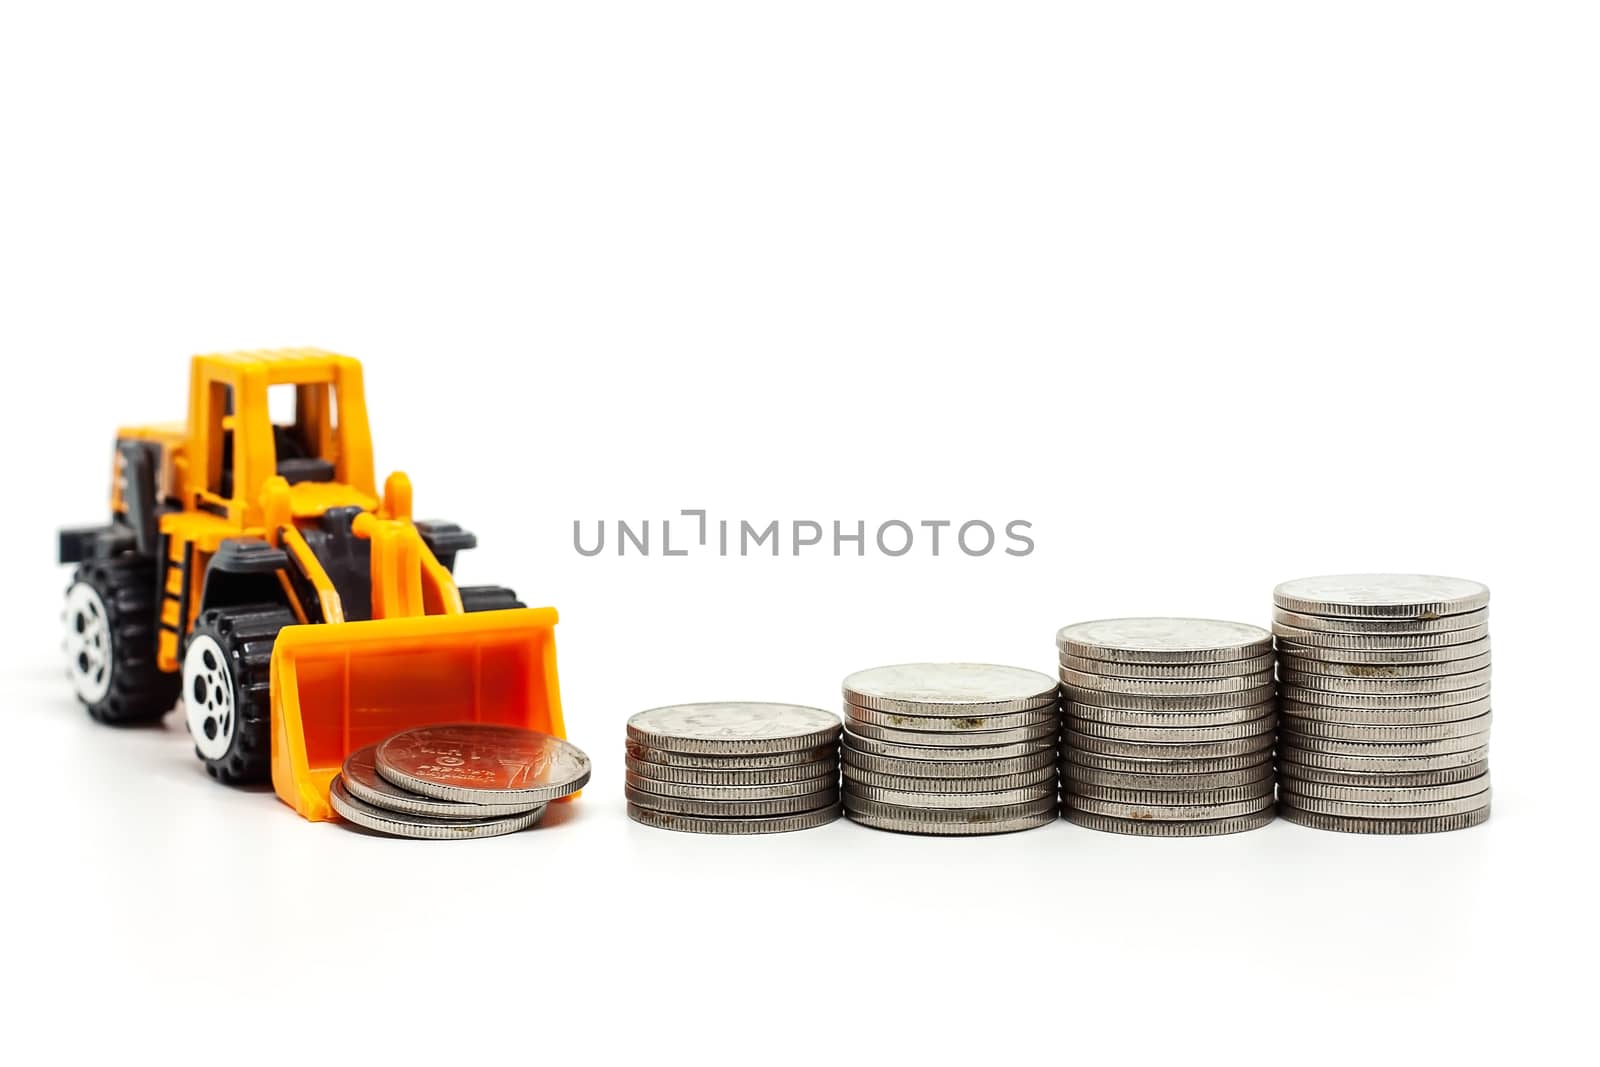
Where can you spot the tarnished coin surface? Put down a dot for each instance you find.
(1164, 828)
(773, 824)
(425, 827)
(1188, 720)
(1390, 686)
(737, 727)
(1400, 596)
(1163, 640)
(1442, 824)
(724, 762)
(977, 723)
(362, 781)
(483, 764)
(960, 689)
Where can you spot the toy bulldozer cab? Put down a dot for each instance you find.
(252, 571)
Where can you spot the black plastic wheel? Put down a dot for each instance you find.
(488, 598)
(111, 628)
(227, 695)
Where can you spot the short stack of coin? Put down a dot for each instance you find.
(454, 781)
(1384, 681)
(950, 748)
(733, 768)
(1168, 726)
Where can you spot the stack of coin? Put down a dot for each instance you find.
(950, 748)
(1169, 726)
(733, 768)
(1384, 681)
(453, 781)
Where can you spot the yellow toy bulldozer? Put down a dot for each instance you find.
(252, 571)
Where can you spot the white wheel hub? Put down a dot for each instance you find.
(88, 643)
(208, 697)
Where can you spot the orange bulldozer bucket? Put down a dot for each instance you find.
(337, 687)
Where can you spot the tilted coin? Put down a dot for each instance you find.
(1077, 776)
(906, 783)
(1475, 658)
(949, 801)
(1301, 744)
(1377, 701)
(772, 824)
(736, 809)
(1163, 688)
(960, 689)
(1163, 640)
(1398, 596)
(734, 728)
(928, 739)
(1363, 810)
(1414, 794)
(1169, 671)
(972, 750)
(733, 776)
(1175, 734)
(362, 781)
(751, 762)
(936, 768)
(1441, 624)
(1147, 750)
(1386, 716)
(1335, 761)
(1165, 828)
(951, 821)
(1443, 824)
(1166, 764)
(1232, 794)
(1080, 712)
(404, 824)
(480, 763)
(1296, 638)
(1341, 731)
(897, 720)
(1302, 656)
(1443, 683)
(741, 794)
(1298, 775)
(1166, 812)
(1211, 702)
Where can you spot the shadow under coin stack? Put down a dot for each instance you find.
(1384, 681)
(1169, 726)
(733, 768)
(950, 748)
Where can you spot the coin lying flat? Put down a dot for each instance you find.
(731, 808)
(1302, 746)
(951, 821)
(776, 824)
(983, 723)
(1399, 596)
(1413, 794)
(1307, 657)
(923, 801)
(1165, 764)
(1339, 731)
(1079, 712)
(1163, 640)
(921, 784)
(732, 776)
(1175, 734)
(1169, 671)
(1430, 809)
(979, 768)
(1161, 688)
(1441, 683)
(363, 782)
(1078, 742)
(1440, 624)
(1373, 701)
(928, 739)
(1409, 671)
(1077, 776)
(1442, 824)
(1386, 716)
(1294, 639)
(1153, 828)
(960, 689)
(1168, 812)
(739, 794)
(1298, 775)
(749, 762)
(1141, 702)
(479, 763)
(734, 728)
(1205, 798)
(402, 824)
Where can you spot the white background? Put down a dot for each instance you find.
(1215, 295)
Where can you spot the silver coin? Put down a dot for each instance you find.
(951, 821)
(427, 827)
(974, 751)
(735, 809)
(734, 728)
(927, 739)
(1373, 764)
(1443, 824)
(1341, 731)
(737, 776)
(1166, 812)
(362, 781)
(959, 689)
(1298, 774)
(1163, 689)
(751, 762)
(1317, 674)
(1297, 638)
(1163, 640)
(1302, 657)
(1321, 624)
(1165, 764)
(1289, 741)
(899, 720)
(774, 824)
(1414, 794)
(1233, 794)
(1386, 716)
(1169, 671)
(1430, 809)
(1175, 734)
(1394, 596)
(949, 801)
(1077, 777)
(1079, 712)
(739, 794)
(856, 776)
(1213, 702)
(1075, 741)
(1444, 683)
(1153, 828)
(936, 768)
(481, 763)
(1380, 702)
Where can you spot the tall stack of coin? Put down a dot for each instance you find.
(950, 748)
(733, 768)
(1169, 726)
(1385, 700)
(458, 780)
